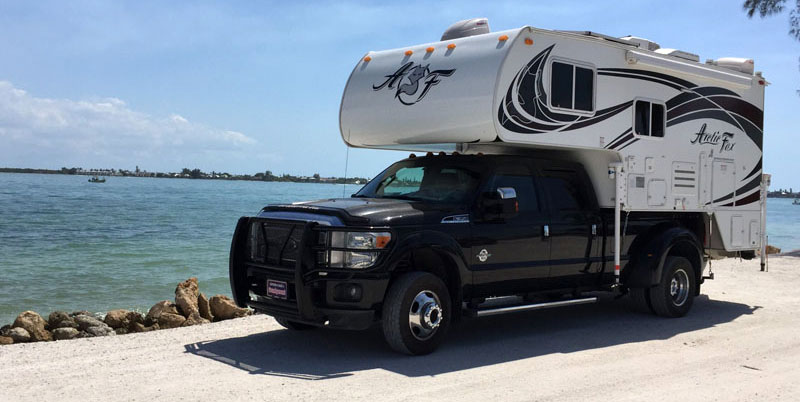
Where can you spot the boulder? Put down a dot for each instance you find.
(159, 308)
(121, 331)
(85, 322)
(223, 308)
(134, 317)
(204, 307)
(117, 319)
(60, 319)
(170, 320)
(34, 324)
(4, 330)
(82, 312)
(195, 319)
(186, 294)
(6, 340)
(19, 335)
(139, 327)
(773, 250)
(63, 333)
(103, 330)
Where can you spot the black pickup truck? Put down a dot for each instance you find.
(434, 238)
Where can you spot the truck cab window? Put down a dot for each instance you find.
(564, 190)
(424, 179)
(520, 178)
(649, 119)
(571, 87)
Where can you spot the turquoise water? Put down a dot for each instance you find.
(66, 244)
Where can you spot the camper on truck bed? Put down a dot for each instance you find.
(550, 164)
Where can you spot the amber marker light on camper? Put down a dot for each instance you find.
(503, 38)
(409, 52)
(429, 50)
(451, 46)
(528, 41)
(367, 58)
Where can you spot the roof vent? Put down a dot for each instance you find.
(464, 28)
(679, 54)
(739, 64)
(642, 42)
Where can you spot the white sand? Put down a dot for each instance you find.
(740, 342)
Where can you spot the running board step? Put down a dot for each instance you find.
(484, 312)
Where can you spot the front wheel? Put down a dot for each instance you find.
(674, 294)
(416, 313)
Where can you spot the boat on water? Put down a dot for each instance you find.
(96, 179)
(796, 201)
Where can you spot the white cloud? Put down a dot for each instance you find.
(43, 132)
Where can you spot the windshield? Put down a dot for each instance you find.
(424, 179)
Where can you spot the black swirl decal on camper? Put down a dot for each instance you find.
(408, 79)
(525, 109)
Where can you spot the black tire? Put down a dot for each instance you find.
(674, 294)
(641, 300)
(409, 337)
(293, 325)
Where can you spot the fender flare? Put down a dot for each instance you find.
(442, 244)
(647, 264)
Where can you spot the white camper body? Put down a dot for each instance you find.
(688, 134)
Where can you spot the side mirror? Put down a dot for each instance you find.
(499, 205)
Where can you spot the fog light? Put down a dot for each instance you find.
(347, 292)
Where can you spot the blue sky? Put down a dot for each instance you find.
(249, 86)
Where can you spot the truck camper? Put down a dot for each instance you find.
(552, 163)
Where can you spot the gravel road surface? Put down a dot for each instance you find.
(741, 342)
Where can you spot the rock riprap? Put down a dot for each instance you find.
(223, 308)
(186, 294)
(64, 333)
(34, 324)
(60, 319)
(19, 335)
(191, 307)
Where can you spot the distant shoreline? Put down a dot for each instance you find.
(194, 174)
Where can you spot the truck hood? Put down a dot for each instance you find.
(370, 211)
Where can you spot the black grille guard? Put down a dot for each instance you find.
(305, 262)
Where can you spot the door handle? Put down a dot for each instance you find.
(546, 230)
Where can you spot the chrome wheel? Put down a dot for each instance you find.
(424, 315)
(679, 287)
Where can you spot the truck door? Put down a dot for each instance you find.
(574, 225)
(511, 256)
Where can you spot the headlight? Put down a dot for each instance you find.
(370, 242)
(360, 240)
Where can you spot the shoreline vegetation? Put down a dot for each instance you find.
(187, 173)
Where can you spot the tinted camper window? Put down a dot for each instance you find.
(561, 85)
(649, 119)
(571, 87)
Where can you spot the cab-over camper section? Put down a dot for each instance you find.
(688, 134)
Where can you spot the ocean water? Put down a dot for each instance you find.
(67, 244)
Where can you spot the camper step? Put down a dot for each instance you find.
(503, 309)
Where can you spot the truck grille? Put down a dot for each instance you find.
(275, 244)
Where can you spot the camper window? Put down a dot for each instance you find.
(571, 87)
(648, 118)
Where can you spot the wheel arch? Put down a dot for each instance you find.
(647, 262)
(436, 253)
